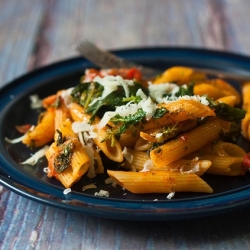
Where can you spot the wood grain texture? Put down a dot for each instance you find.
(34, 33)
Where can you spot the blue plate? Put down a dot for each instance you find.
(31, 182)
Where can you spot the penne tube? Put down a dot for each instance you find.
(230, 166)
(128, 140)
(61, 114)
(139, 159)
(185, 144)
(180, 75)
(230, 100)
(66, 130)
(226, 88)
(78, 165)
(245, 88)
(99, 168)
(179, 111)
(112, 149)
(167, 132)
(43, 131)
(245, 126)
(142, 145)
(159, 182)
(222, 148)
(208, 90)
(245, 123)
(227, 158)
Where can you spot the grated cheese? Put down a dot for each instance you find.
(19, 139)
(147, 105)
(157, 91)
(36, 102)
(66, 96)
(147, 166)
(89, 186)
(128, 156)
(85, 127)
(35, 157)
(102, 193)
(170, 195)
(195, 169)
(67, 191)
(111, 83)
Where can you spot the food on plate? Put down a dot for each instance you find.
(161, 135)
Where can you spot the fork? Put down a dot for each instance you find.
(105, 59)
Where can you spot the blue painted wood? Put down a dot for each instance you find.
(38, 32)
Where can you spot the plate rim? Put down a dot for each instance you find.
(149, 208)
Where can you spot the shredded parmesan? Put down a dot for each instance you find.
(66, 96)
(16, 140)
(170, 195)
(84, 127)
(110, 181)
(195, 169)
(102, 193)
(36, 102)
(111, 83)
(35, 157)
(128, 156)
(67, 191)
(157, 91)
(19, 139)
(147, 166)
(89, 186)
(46, 170)
(147, 105)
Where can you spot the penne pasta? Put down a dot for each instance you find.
(185, 144)
(180, 75)
(245, 123)
(226, 158)
(140, 162)
(179, 111)
(113, 152)
(159, 182)
(78, 164)
(165, 134)
(42, 133)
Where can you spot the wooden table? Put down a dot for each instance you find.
(34, 33)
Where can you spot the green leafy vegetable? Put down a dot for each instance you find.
(226, 112)
(89, 95)
(62, 161)
(128, 121)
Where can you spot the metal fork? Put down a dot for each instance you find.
(105, 59)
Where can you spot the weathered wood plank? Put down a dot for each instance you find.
(38, 32)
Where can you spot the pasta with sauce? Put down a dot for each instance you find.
(163, 134)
